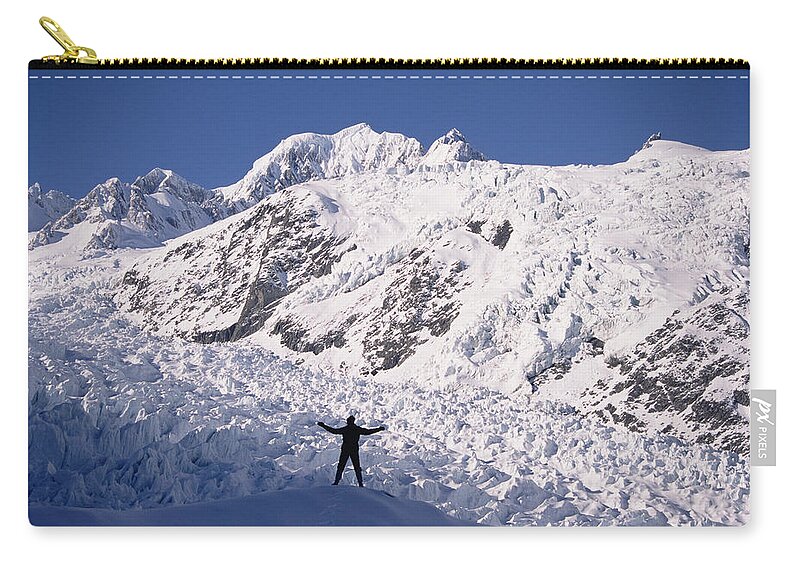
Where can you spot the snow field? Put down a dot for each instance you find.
(122, 418)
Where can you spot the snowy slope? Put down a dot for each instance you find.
(44, 207)
(471, 272)
(121, 418)
(689, 377)
(316, 506)
(156, 207)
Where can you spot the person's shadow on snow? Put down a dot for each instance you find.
(350, 435)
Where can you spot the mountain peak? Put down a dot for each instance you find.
(452, 136)
(651, 139)
(160, 172)
(152, 180)
(451, 146)
(167, 182)
(313, 156)
(302, 140)
(113, 182)
(45, 207)
(158, 176)
(354, 129)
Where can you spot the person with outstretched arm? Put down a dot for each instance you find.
(350, 434)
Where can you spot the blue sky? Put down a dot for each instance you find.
(84, 131)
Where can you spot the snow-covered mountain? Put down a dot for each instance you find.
(451, 146)
(162, 205)
(546, 345)
(153, 208)
(121, 418)
(45, 207)
(354, 150)
(490, 274)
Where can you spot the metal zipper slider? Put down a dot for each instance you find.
(72, 52)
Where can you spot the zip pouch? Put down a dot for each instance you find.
(380, 292)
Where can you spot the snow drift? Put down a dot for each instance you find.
(317, 506)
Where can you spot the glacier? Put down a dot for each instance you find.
(547, 345)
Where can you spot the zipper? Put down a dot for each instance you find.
(72, 53)
(79, 57)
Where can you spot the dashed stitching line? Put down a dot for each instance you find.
(394, 77)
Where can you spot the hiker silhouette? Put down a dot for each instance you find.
(350, 434)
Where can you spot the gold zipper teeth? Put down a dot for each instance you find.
(454, 63)
(75, 55)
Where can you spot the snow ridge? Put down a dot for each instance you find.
(158, 206)
(354, 150)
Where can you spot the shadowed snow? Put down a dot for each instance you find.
(317, 506)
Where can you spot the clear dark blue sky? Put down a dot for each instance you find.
(84, 131)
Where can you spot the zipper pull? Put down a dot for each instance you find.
(72, 52)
